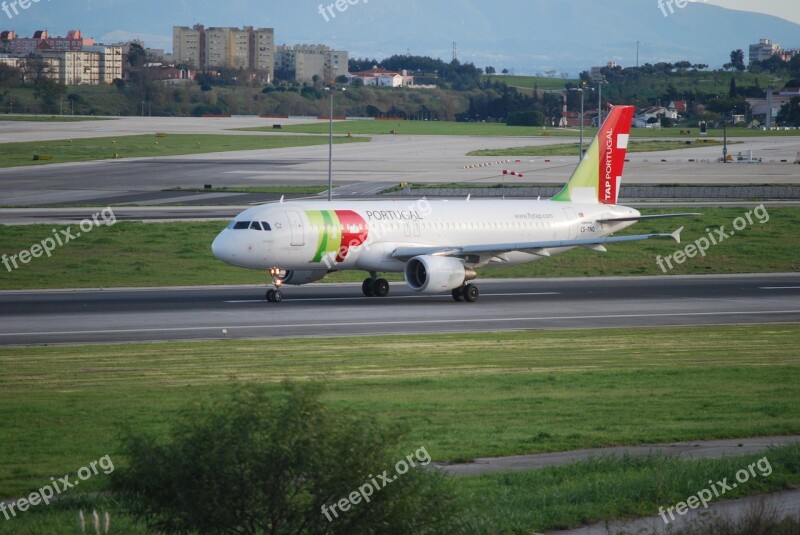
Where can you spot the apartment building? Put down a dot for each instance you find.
(224, 47)
(71, 60)
(310, 61)
(189, 45)
(94, 65)
(41, 41)
(765, 49)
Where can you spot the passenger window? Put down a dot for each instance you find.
(241, 225)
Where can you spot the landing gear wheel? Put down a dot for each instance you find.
(471, 293)
(458, 295)
(380, 288)
(368, 288)
(274, 296)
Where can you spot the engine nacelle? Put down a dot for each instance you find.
(436, 274)
(298, 278)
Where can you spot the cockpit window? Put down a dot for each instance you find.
(252, 225)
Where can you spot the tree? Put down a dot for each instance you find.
(48, 92)
(9, 76)
(490, 71)
(737, 59)
(732, 91)
(525, 118)
(790, 113)
(256, 463)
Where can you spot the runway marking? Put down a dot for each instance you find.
(407, 322)
(779, 288)
(308, 299)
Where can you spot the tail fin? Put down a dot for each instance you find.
(599, 175)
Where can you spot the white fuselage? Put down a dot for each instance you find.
(363, 235)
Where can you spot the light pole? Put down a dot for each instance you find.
(331, 89)
(724, 141)
(580, 157)
(600, 83)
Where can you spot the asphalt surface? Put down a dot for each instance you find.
(698, 449)
(359, 168)
(143, 315)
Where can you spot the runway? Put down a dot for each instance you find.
(325, 310)
(358, 167)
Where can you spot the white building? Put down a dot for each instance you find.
(763, 50)
(94, 65)
(382, 78)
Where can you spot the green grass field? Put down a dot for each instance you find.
(447, 128)
(166, 254)
(84, 150)
(570, 149)
(461, 396)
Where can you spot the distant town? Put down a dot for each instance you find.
(218, 60)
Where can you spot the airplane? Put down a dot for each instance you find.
(438, 245)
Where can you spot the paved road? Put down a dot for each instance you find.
(387, 159)
(698, 449)
(85, 316)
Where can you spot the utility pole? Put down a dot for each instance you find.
(331, 90)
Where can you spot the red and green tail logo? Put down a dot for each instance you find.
(599, 175)
(339, 231)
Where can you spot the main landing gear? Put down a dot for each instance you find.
(274, 295)
(375, 287)
(468, 293)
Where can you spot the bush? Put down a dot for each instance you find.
(260, 463)
(525, 118)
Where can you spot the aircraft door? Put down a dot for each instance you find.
(572, 223)
(298, 230)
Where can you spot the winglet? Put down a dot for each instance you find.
(677, 235)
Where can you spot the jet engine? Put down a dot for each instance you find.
(298, 278)
(436, 274)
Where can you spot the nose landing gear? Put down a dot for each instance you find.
(274, 295)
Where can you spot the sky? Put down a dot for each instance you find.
(502, 36)
(786, 9)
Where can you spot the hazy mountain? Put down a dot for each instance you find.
(526, 35)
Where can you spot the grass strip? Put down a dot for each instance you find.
(449, 128)
(461, 396)
(131, 254)
(570, 149)
(155, 145)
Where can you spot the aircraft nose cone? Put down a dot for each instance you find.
(221, 248)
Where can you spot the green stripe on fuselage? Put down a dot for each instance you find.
(327, 223)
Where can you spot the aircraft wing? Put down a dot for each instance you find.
(538, 248)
